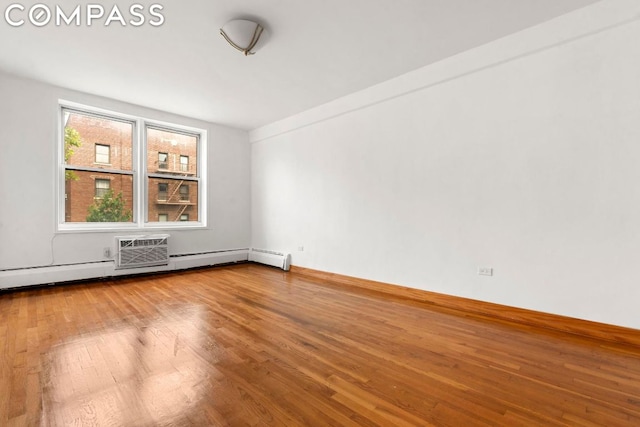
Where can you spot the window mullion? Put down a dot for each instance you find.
(140, 176)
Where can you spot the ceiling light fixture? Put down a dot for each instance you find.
(242, 34)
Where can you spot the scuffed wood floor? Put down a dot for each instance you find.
(251, 345)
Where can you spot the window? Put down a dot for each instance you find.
(184, 163)
(184, 193)
(102, 187)
(163, 160)
(91, 167)
(163, 190)
(103, 153)
(119, 171)
(182, 176)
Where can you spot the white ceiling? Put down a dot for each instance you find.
(316, 51)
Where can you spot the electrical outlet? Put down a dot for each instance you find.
(485, 271)
(300, 248)
(106, 252)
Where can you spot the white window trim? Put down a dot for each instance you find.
(140, 174)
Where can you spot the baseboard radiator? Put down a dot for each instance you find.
(142, 251)
(49, 275)
(276, 259)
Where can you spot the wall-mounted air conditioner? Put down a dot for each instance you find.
(142, 251)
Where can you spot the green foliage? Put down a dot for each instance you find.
(71, 139)
(109, 209)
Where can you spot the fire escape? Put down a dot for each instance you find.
(174, 196)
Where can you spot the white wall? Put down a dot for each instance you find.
(28, 129)
(522, 155)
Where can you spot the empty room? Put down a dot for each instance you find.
(320, 213)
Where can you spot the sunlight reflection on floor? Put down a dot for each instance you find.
(136, 372)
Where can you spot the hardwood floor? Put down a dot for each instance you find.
(251, 345)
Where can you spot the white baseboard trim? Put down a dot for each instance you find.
(96, 270)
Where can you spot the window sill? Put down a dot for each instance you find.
(72, 228)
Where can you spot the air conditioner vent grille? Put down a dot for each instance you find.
(136, 242)
(142, 251)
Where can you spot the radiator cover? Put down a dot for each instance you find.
(274, 258)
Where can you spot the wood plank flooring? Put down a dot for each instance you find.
(251, 345)
(598, 331)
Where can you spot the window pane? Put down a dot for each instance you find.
(163, 217)
(98, 197)
(173, 197)
(90, 140)
(171, 152)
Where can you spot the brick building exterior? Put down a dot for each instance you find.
(107, 144)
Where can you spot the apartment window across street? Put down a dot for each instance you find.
(103, 153)
(163, 159)
(163, 190)
(119, 171)
(102, 187)
(184, 193)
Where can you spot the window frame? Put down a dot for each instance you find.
(140, 173)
